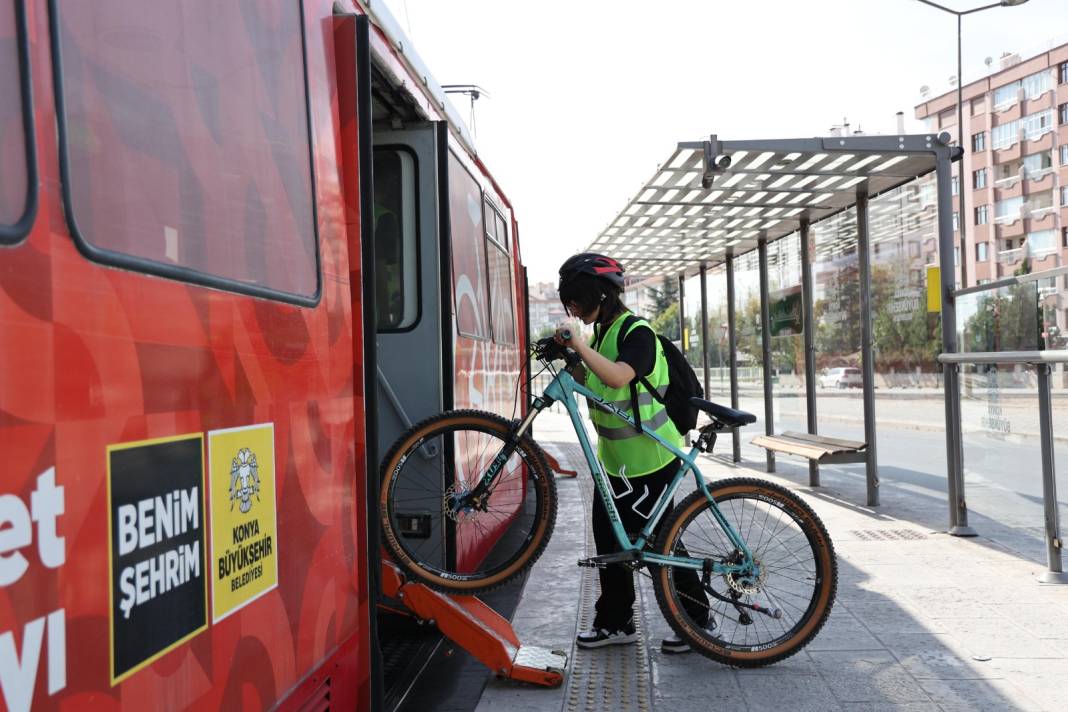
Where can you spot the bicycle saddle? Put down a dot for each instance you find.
(728, 416)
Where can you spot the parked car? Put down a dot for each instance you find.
(841, 378)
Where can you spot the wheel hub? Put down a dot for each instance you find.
(746, 582)
(458, 505)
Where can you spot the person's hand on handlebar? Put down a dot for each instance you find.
(613, 374)
(567, 334)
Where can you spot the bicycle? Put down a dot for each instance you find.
(484, 507)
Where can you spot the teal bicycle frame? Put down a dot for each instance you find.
(564, 388)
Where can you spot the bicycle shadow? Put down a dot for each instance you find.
(873, 653)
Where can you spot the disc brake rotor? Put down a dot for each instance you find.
(747, 585)
(463, 514)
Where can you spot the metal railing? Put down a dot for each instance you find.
(1041, 360)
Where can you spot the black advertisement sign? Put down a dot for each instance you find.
(157, 549)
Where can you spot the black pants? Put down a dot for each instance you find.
(615, 607)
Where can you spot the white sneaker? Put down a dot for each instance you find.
(673, 644)
(599, 637)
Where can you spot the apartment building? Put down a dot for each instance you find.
(1015, 168)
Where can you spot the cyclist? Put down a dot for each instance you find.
(639, 469)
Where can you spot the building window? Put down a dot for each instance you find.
(1032, 86)
(177, 160)
(981, 217)
(956, 221)
(1008, 208)
(980, 252)
(396, 280)
(956, 255)
(1064, 196)
(1062, 114)
(1041, 243)
(1064, 240)
(979, 142)
(1063, 72)
(1029, 128)
(979, 178)
(954, 185)
(1064, 155)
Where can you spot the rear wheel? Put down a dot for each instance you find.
(484, 544)
(798, 573)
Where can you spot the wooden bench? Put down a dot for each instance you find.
(821, 449)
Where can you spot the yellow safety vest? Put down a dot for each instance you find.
(623, 450)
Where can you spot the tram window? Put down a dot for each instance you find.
(396, 279)
(501, 301)
(495, 226)
(502, 316)
(468, 252)
(15, 181)
(185, 142)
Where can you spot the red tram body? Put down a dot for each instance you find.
(193, 392)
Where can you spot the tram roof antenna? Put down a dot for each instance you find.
(473, 91)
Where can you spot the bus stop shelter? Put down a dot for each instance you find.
(712, 201)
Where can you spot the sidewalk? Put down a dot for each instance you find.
(923, 621)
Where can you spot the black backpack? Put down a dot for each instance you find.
(682, 385)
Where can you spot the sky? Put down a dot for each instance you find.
(587, 97)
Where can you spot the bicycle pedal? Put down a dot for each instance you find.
(591, 564)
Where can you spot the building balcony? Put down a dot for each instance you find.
(1008, 111)
(1008, 187)
(1009, 227)
(1040, 142)
(1039, 103)
(1008, 154)
(1041, 179)
(1043, 219)
(1012, 257)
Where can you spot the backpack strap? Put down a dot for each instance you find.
(624, 329)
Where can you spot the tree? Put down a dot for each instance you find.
(664, 297)
(666, 322)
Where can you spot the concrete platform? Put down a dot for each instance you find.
(923, 621)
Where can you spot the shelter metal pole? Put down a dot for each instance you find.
(809, 328)
(1056, 573)
(736, 437)
(682, 314)
(958, 510)
(960, 164)
(704, 326)
(765, 331)
(871, 459)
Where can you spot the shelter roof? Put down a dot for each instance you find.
(712, 198)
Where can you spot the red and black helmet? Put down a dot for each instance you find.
(593, 264)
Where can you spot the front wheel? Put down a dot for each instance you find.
(798, 574)
(437, 533)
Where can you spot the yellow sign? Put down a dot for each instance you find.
(934, 289)
(244, 521)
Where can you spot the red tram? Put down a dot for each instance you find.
(242, 246)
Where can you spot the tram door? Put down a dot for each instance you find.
(408, 294)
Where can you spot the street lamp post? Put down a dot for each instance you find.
(960, 122)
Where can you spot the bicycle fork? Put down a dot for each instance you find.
(478, 496)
